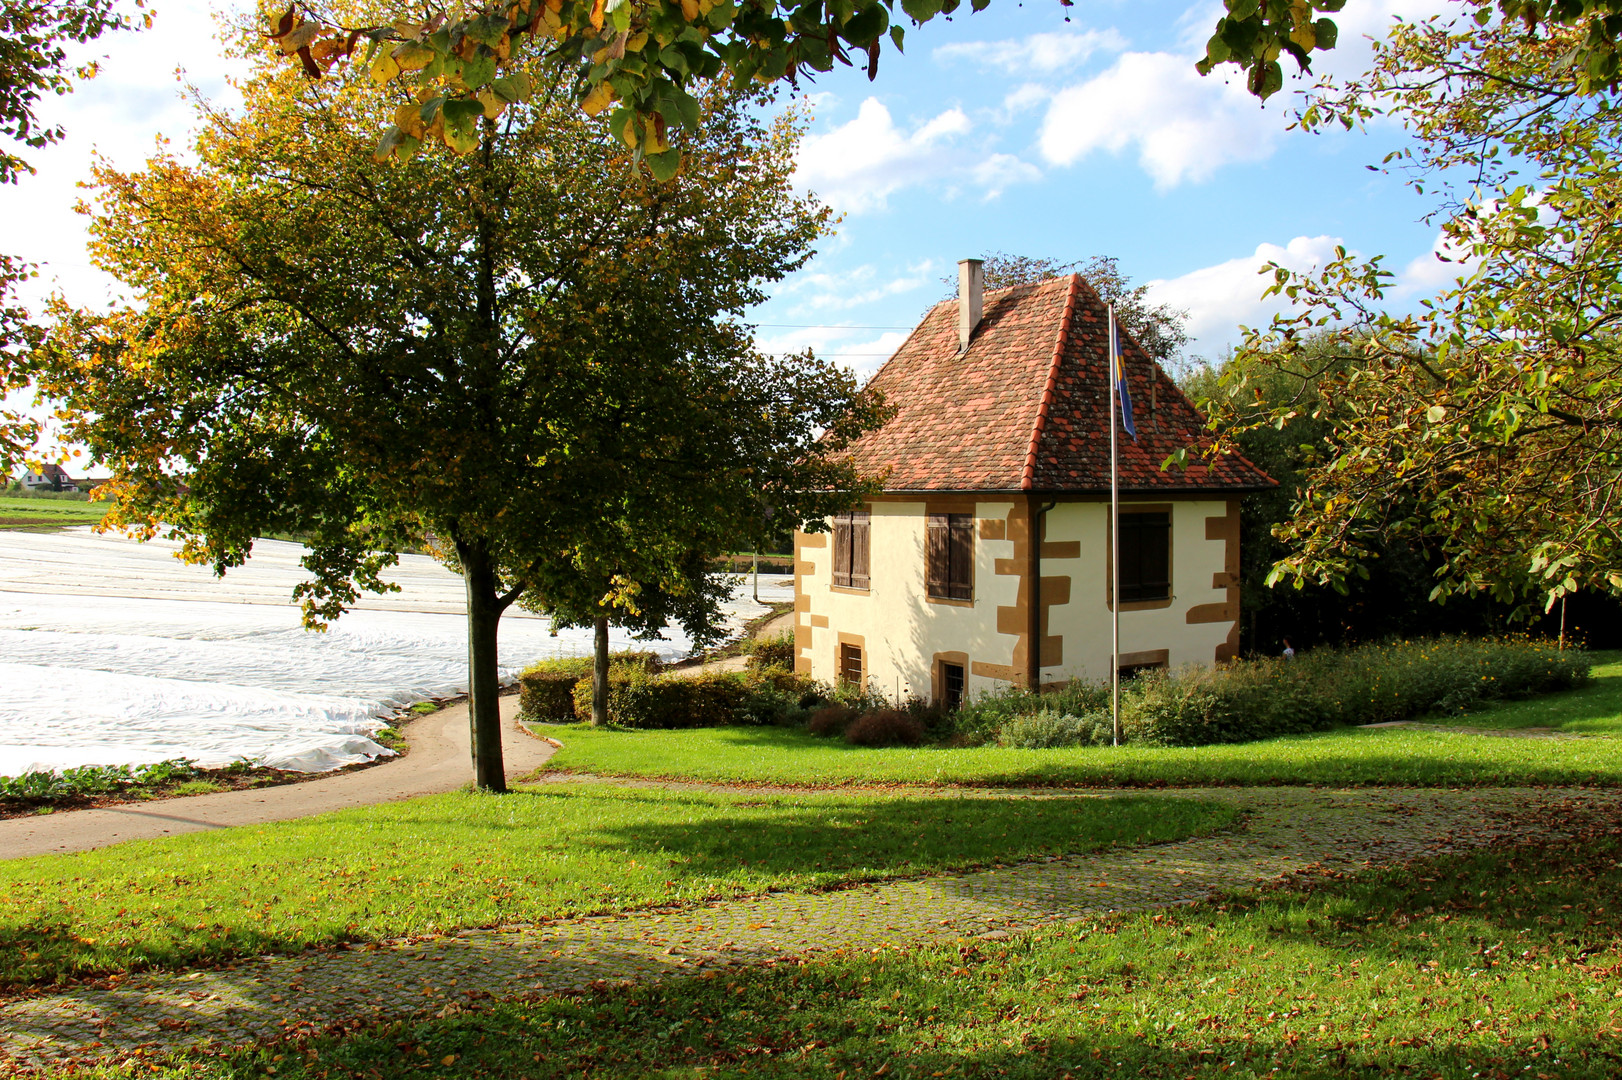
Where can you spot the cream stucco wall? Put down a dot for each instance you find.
(1198, 585)
(900, 629)
(902, 632)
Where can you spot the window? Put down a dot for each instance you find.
(1145, 557)
(850, 664)
(952, 683)
(951, 556)
(850, 549)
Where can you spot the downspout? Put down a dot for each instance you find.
(1033, 655)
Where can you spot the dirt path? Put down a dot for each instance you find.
(274, 997)
(438, 761)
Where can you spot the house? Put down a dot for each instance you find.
(49, 478)
(1000, 434)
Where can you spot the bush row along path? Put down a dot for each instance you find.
(266, 998)
(438, 761)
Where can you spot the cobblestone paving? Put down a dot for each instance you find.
(269, 997)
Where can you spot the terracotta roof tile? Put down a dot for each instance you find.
(1026, 407)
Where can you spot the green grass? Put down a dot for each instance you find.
(1340, 757)
(463, 860)
(25, 512)
(1497, 965)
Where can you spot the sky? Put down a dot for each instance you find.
(1029, 128)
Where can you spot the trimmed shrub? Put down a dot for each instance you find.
(776, 651)
(546, 689)
(1049, 729)
(637, 699)
(885, 727)
(831, 719)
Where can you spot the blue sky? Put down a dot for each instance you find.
(1012, 129)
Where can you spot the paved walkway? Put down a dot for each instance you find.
(265, 998)
(438, 761)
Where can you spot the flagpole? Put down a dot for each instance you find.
(1115, 542)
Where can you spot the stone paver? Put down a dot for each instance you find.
(270, 997)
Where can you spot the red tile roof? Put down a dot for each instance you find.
(1026, 407)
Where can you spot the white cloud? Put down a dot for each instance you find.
(1027, 96)
(855, 347)
(1184, 127)
(841, 290)
(1041, 54)
(1221, 298)
(857, 166)
(1001, 171)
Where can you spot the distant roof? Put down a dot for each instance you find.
(1026, 407)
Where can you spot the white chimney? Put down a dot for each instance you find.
(971, 293)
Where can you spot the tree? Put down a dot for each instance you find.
(1488, 425)
(1158, 328)
(33, 63)
(645, 56)
(447, 350)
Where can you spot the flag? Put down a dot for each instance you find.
(1118, 364)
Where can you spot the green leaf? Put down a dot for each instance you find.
(478, 71)
(1328, 33)
(921, 10)
(664, 165)
(866, 25)
(514, 87)
(896, 34)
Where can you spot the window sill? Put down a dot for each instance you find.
(1147, 605)
(948, 602)
(850, 591)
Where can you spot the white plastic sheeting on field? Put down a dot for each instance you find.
(116, 653)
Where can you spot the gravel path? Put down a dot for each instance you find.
(438, 761)
(1287, 829)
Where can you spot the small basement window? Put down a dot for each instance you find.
(850, 664)
(953, 682)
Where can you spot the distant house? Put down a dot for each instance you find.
(1001, 434)
(50, 478)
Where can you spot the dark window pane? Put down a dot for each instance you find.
(1145, 557)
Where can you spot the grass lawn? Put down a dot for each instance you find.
(1498, 965)
(463, 860)
(1346, 756)
(27, 513)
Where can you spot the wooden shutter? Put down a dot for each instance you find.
(841, 542)
(960, 584)
(858, 558)
(938, 552)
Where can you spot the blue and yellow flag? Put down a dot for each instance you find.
(1118, 365)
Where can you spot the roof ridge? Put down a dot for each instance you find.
(1029, 476)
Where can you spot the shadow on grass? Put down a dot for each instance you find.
(465, 861)
(1479, 966)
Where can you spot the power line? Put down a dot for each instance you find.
(821, 326)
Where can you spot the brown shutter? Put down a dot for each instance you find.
(841, 542)
(858, 550)
(961, 582)
(938, 551)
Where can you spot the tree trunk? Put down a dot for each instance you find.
(599, 674)
(484, 685)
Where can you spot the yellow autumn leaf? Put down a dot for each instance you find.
(689, 10)
(1305, 35)
(600, 98)
(412, 56)
(635, 42)
(492, 104)
(408, 118)
(384, 68)
(597, 15)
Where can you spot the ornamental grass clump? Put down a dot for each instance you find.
(1365, 684)
(1050, 729)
